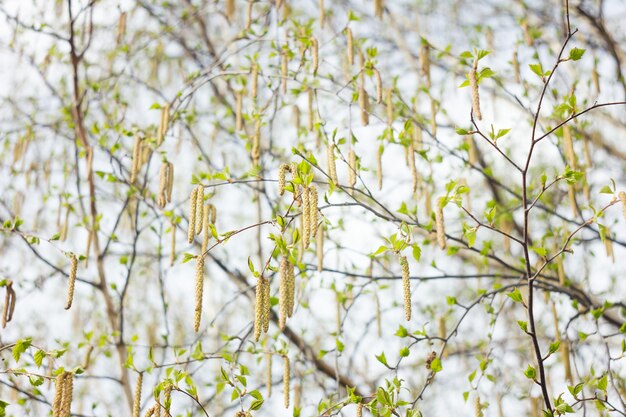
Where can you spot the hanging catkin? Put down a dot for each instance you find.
(286, 379)
(352, 168)
(332, 167)
(319, 246)
(306, 219)
(473, 81)
(414, 176)
(379, 86)
(58, 394)
(9, 304)
(167, 399)
(136, 163)
(359, 410)
(349, 46)
(199, 208)
(441, 233)
(406, 287)
(315, 55)
(71, 281)
(515, 62)
(472, 155)
(424, 58)
(68, 390)
(255, 151)
(313, 202)
(283, 289)
(322, 12)
(595, 78)
(163, 182)
(297, 395)
(266, 305)
(238, 115)
(268, 375)
(378, 8)
(165, 118)
(229, 10)
(571, 194)
(622, 198)
(282, 182)
(565, 357)
(363, 99)
(284, 70)
(199, 282)
(193, 198)
(433, 116)
(258, 308)
(379, 167)
(291, 289)
(121, 28)
(478, 409)
(254, 80)
(569, 147)
(137, 397)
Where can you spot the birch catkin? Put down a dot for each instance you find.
(315, 54)
(565, 357)
(258, 308)
(515, 62)
(284, 70)
(406, 287)
(413, 168)
(9, 304)
(291, 289)
(319, 246)
(165, 118)
(569, 147)
(352, 168)
(268, 376)
(137, 397)
(121, 28)
(266, 305)
(322, 12)
(622, 198)
(332, 167)
(199, 282)
(473, 81)
(282, 182)
(283, 289)
(349, 46)
(191, 231)
(71, 281)
(441, 233)
(363, 99)
(379, 86)
(313, 202)
(286, 379)
(229, 10)
(306, 220)
(254, 80)
(136, 159)
(378, 8)
(359, 410)
(68, 390)
(238, 115)
(58, 394)
(199, 208)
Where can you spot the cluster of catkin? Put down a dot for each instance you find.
(332, 166)
(261, 307)
(71, 281)
(165, 119)
(137, 396)
(9, 304)
(286, 291)
(406, 287)
(64, 388)
(208, 217)
(282, 172)
(441, 231)
(155, 410)
(166, 183)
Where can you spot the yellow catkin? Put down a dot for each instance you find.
(284, 70)
(424, 58)
(297, 396)
(306, 219)
(254, 80)
(136, 159)
(266, 305)
(363, 99)
(151, 412)
(359, 410)
(255, 150)
(315, 55)
(258, 308)
(249, 14)
(313, 209)
(413, 167)
(238, 114)
(352, 168)
(167, 399)
(332, 167)
(199, 208)
(322, 12)
(172, 241)
(9, 304)
(608, 246)
(349, 46)
(229, 10)
(121, 28)
(286, 379)
(58, 394)
(170, 182)
(622, 198)
(473, 81)
(71, 281)
(283, 289)
(68, 390)
(320, 249)
(441, 233)
(268, 375)
(193, 198)
(137, 397)
(569, 147)
(507, 228)
(526, 30)
(165, 118)
(478, 409)
(472, 155)
(310, 97)
(595, 78)
(87, 360)
(88, 247)
(379, 86)
(199, 281)
(571, 194)
(296, 118)
(163, 181)
(291, 289)
(406, 287)
(282, 182)
(378, 8)
(535, 404)
(433, 116)
(565, 357)
(515, 62)
(428, 204)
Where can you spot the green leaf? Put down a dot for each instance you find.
(554, 346)
(530, 372)
(515, 295)
(576, 53)
(382, 359)
(436, 366)
(537, 69)
(20, 347)
(39, 355)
